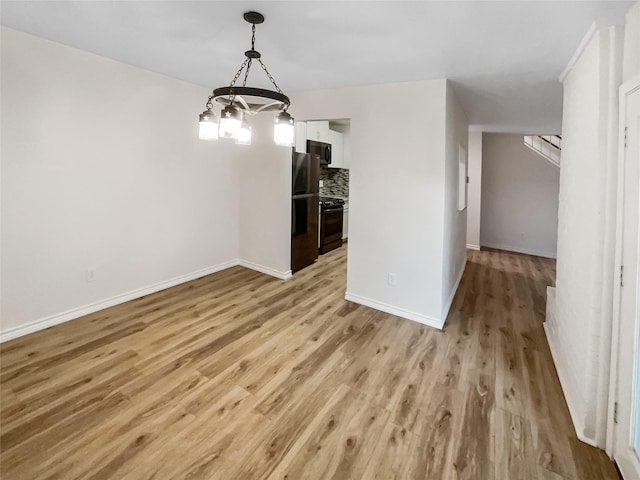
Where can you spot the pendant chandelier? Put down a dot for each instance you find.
(239, 102)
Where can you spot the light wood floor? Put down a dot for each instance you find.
(241, 376)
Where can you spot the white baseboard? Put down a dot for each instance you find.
(447, 307)
(77, 312)
(559, 361)
(267, 270)
(526, 251)
(400, 312)
(473, 247)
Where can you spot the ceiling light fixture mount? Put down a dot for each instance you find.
(240, 101)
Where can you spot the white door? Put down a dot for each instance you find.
(626, 447)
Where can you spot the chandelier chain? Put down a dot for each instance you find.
(253, 36)
(232, 95)
(246, 74)
(239, 72)
(270, 77)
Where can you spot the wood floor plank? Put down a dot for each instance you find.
(544, 474)
(591, 462)
(62, 384)
(64, 356)
(206, 453)
(391, 459)
(263, 453)
(339, 440)
(514, 452)
(440, 421)
(511, 388)
(238, 375)
(473, 458)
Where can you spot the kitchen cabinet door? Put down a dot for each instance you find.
(318, 131)
(337, 154)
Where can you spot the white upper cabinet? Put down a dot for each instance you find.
(337, 150)
(301, 137)
(318, 131)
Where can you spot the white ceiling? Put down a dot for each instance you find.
(504, 58)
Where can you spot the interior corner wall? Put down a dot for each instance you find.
(519, 197)
(474, 190)
(264, 201)
(396, 194)
(631, 61)
(103, 172)
(579, 326)
(455, 221)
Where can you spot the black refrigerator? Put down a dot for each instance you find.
(304, 210)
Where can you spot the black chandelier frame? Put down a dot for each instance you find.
(250, 100)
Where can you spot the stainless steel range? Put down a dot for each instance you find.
(330, 235)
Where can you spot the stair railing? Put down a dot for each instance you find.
(547, 146)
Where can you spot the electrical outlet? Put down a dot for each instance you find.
(91, 274)
(391, 278)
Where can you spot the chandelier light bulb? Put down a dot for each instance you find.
(283, 130)
(208, 125)
(230, 122)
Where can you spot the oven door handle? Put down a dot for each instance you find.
(332, 209)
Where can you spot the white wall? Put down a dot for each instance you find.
(519, 197)
(396, 194)
(264, 200)
(102, 169)
(578, 323)
(631, 62)
(345, 130)
(474, 190)
(455, 222)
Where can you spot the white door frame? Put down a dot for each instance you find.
(626, 89)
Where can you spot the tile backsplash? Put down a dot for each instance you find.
(336, 182)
